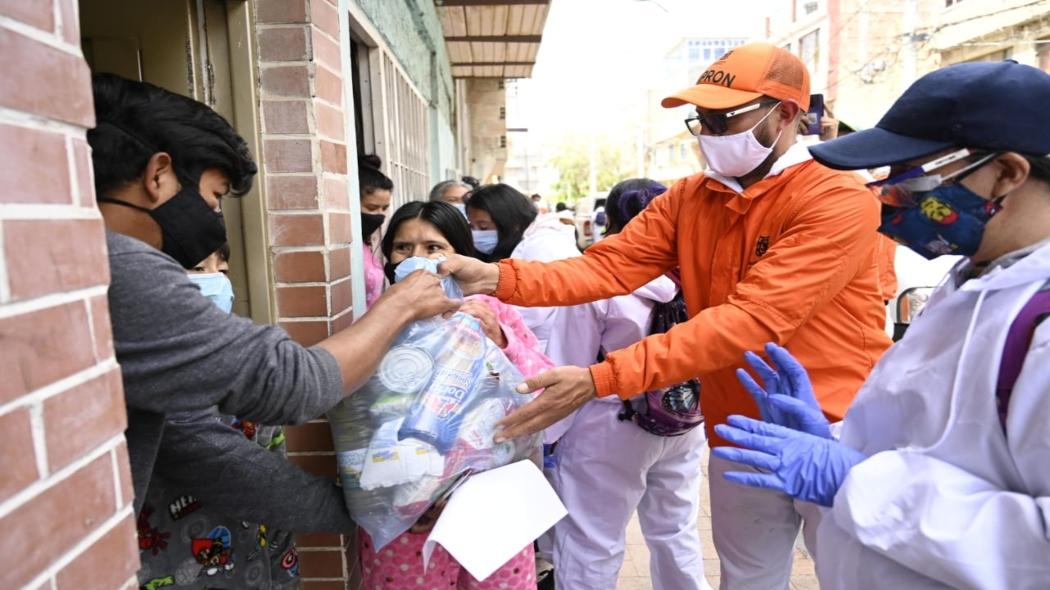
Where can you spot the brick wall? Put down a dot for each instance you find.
(304, 160)
(65, 494)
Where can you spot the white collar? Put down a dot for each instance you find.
(1012, 269)
(795, 154)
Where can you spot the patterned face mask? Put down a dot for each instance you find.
(946, 220)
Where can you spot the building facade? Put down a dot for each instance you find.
(976, 30)
(863, 55)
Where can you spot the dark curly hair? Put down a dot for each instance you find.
(135, 120)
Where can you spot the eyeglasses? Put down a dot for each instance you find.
(719, 123)
(906, 189)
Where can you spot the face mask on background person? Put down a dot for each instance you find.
(217, 287)
(191, 230)
(461, 207)
(370, 222)
(735, 155)
(485, 240)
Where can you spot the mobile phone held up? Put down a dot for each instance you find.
(816, 113)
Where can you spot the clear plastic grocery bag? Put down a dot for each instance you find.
(425, 419)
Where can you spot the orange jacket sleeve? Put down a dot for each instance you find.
(824, 246)
(617, 265)
(887, 267)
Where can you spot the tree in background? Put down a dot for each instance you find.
(574, 160)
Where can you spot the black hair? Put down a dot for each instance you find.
(1040, 168)
(446, 218)
(224, 252)
(560, 207)
(369, 176)
(135, 120)
(628, 198)
(473, 182)
(511, 211)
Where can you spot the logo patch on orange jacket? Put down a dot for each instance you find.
(761, 246)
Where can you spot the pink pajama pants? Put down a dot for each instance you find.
(399, 566)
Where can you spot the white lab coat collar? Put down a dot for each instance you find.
(1032, 266)
(661, 290)
(795, 155)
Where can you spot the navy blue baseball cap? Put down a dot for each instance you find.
(995, 106)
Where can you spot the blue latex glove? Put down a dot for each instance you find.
(787, 398)
(798, 464)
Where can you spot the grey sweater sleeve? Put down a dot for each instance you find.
(179, 352)
(235, 477)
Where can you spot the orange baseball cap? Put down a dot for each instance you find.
(745, 73)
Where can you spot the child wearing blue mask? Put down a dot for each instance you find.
(211, 275)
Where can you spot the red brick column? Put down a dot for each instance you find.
(304, 160)
(65, 492)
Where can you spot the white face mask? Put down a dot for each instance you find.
(736, 155)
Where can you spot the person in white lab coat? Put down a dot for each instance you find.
(940, 477)
(606, 467)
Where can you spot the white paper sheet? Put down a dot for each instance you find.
(494, 515)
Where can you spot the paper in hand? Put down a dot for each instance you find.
(495, 515)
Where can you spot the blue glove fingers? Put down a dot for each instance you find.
(795, 373)
(748, 440)
(768, 375)
(751, 425)
(756, 391)
(805, 415)
(755, 480)
(754, 459)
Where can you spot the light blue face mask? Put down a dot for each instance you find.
(217, 287)
(485, 240)
(462, 208)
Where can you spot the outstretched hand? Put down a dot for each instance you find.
(787, 397)
(422, 293)
(565, 390)
(473, 275)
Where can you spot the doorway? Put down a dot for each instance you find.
(200, 49)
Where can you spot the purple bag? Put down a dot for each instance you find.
(1018, 339)
(672, 410)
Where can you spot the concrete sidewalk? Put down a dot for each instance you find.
(635, 572)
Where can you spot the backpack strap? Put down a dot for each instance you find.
(1018, 339)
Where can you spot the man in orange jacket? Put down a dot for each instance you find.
(771, 246)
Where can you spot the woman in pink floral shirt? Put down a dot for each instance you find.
(432, 230)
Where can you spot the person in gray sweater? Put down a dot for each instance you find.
(162, 164)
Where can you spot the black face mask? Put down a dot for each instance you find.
(191, 230)
(370, 222)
